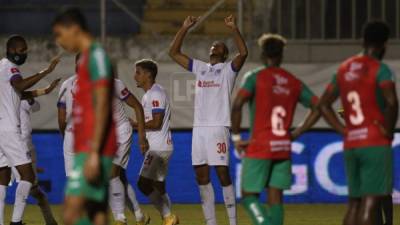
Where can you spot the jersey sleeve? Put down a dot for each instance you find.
(62, 102)
(248, 86)
(307, 98)
(333, 86)
(14, 73)
(158, 103)
(121, 91)
(99, 65)
(196, 66)
(386, 76)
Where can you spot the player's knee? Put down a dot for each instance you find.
(160, 186)
(38, 194)
(145, 186)
(223, 176)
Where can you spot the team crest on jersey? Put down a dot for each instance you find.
(203, 72)
(218, 71)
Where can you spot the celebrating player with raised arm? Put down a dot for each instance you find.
(273, 94)
(13, 150)
(155, 165)
(366, 87)
(95, 139)
(210, 143)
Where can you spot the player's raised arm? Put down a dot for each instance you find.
(308, 100)
(134, 103)
(21, 84)
(41, 91)
(325, 105)
(176, 45)
(240, 58)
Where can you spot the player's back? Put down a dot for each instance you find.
(358, 80)
(275, 93)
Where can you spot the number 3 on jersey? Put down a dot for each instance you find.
(277, 121)
(354, 99)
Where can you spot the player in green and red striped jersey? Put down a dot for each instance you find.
(273, 94)
(94, 126)
(366, 87)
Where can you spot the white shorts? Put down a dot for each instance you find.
(14, 149)
(68, 152)
(124, 143)
(32, 153)
(210, 146)
(155, 165)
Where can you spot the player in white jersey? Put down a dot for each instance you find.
(157, 113)
(210, 142)
(29, 106)
(13, 150)
(121, 191)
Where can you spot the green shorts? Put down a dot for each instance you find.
(78, 186)
(258, 174)
(369, 171)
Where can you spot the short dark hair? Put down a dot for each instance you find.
(149, 65)
(14, 40)
(71, 16)
(272, 45)
(375, 33)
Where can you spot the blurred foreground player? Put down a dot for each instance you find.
(273, 94)
(366, 87)
(210, 145)
(155, 165)
(95, 139)
(13, 150)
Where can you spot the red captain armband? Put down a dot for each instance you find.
(14, 70)
(386, 84)
(314, 100)
(244, 93)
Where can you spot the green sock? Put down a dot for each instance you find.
(276, 212)
(83, 221)
(256, 210)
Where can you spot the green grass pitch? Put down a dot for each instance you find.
(296, 214)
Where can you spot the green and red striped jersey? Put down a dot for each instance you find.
(94, 70)
(274, 96)
(359, 82)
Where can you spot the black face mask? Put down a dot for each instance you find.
(17, 58)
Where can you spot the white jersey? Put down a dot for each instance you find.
(10, 99)
(25, 115)
(155, 100)
(214, 84)
(65, 99)
(66, 96)
(121, 93)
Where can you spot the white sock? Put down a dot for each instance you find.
(132, 203)
(117, 199)
(3, 190)
(208, 203)
(21, 194)
(230, 203)
(160, 205)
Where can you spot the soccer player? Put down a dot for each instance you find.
(118, 190)
(155, 165)
(13, 150)
(210, 143)
(94, 129)
(28, 106)
(366, 87)
(273, 94)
